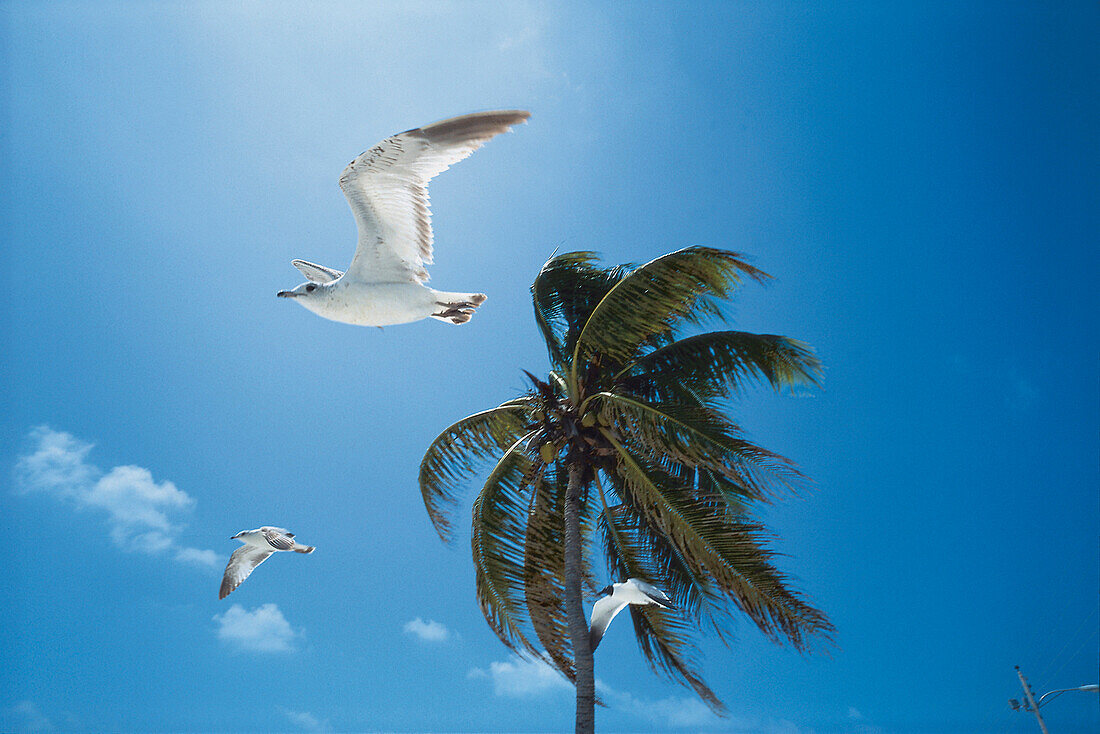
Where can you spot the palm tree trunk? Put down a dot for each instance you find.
(574, 608)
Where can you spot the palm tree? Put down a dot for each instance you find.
(625, 452)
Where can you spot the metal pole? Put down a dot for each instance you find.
(1031, 700)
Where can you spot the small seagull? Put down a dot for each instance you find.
(387, 188)
(631, 591)
(258, 545)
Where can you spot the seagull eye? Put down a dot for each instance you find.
(310, 288)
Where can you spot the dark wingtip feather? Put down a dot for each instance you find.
(476, 126)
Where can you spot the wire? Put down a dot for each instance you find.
(1043, 675)
(1077, 652)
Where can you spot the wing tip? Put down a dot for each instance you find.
(475, 126)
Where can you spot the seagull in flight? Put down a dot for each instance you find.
(631, 591)
(387, 189)
(258, 545)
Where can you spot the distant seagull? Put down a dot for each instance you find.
(387, 190)
(258, 545)
(631, 591)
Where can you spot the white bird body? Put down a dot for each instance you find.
(616, 599)
(381, 304)
(386, 188)
(259, 544)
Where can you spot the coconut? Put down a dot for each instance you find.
(548, 452)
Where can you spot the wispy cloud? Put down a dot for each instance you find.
(25, 716)
(306, 721)
(264, 629)
(139, 510)
(520, 678)
(198, 557)
(430, 631)
(682, 712)
(860, 723)
(674, 711)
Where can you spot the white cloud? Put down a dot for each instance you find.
(206, 558)
(688, 711)
(306, 721)
(27, 717)
(57, 465)
(854, 714)
(520, 678)
(264, 629)
(139, 510)
(674, 711)
(677, 711)
(430, 631)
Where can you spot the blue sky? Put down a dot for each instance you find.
(919, 177)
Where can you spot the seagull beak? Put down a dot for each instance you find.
(286, 294)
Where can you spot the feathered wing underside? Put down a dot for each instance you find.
(316, 273)
(603, 611)
(386, 188)
(241, 563)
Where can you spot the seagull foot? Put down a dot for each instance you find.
(459, 314)
(475, 300)
(460, 311)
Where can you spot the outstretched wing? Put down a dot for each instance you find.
(241, 563)
(316, 273)
(386, 188)
(654, 594)
(603, 611)
(279, 539)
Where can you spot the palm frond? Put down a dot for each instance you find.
(455, 455)
(716, 542)
(699, 438)
(726, 360)
(544, 571)
(666, 646)
(497, 540)
(564, 293)
(632, 551)
(687, 285)
(664, 637)
(692, 591)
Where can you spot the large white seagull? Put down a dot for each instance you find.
(387, 188)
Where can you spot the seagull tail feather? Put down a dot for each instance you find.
(303, 548)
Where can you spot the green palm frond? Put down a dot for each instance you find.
(699, 438)
(695, 594)
(665, 642)
(684, 286)
(663, 636)
(544, 571)
(726, 360)
(633, 551)
(497, 538)
(719, 543)
(566, 290)
(654, 557)
(459, 450)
